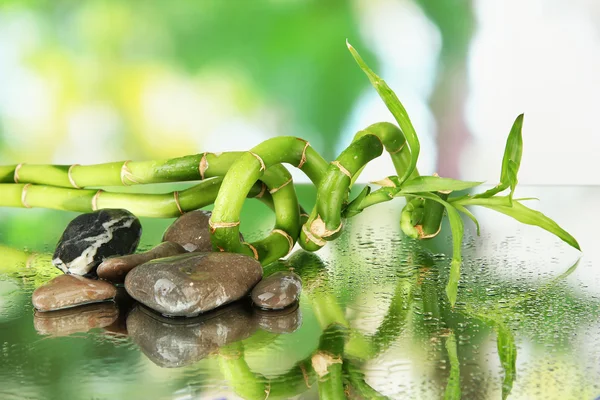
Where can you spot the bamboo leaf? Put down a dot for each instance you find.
(524, 215)
(354, 207)
(507, 352)
(396, 108)
(457, 228)
(468, 213)
(453, 386)
(436, 184)
(510, 162)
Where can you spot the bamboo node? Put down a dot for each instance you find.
(16, 174)
(126, 175)
(305, 376)
(398, 150)
(303, 157)
(422, 234)
(216, 225)
(342, 168)
(203, 166)
(95, 200)
(280, 187)
(24, 196)
(319, 228)
(263, 189)
(321, 361)
(71, 180)
(176, 197)
(260, 160)
(254, 251)
(312, 238)
(288, 237)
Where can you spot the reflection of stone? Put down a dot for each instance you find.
(92, 237)
(277, 291)
(115, 269)
(190, 284)
(280, 321)
(66, 291)
(174, 343)
(73, 320)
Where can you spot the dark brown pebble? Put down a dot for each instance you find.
(67, 291)
(115, 269)
(277, 291)
(190, 284)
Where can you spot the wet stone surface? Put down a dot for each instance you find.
(190, 284)
(115, 269)
(277, 291)
(92, 237)
(67, 291)
(191, 230)
(174, 343)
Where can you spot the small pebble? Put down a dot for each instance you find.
(115, 269)
(190, 284)
(174, 343)
(75, 320)
(92, 237)
(191, 231)
(67, 291)
(277, 291)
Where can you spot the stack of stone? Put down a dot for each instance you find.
(181, 277)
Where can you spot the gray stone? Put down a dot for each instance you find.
(190, 284)
(287, 320)
(67, 291)
(115, 269)
(92, 237)
(191, 230)
(172, 343)
(277, 291)
(75, 320)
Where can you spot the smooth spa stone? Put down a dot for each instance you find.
(171, 343)
(277, 291)
(191, 230)
(115, 269)
(92, 237)
(190, 284)
(67, 291)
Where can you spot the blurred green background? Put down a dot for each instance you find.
(105, 80)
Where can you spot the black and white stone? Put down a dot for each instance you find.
(277, 291)
(92, 237)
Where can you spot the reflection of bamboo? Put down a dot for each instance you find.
(34, 269)
(337, 339)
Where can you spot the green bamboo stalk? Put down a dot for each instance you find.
(325, 222)
(357, 380)
(246, 170)
(251, 385)
(162, 205)
(327, 362)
